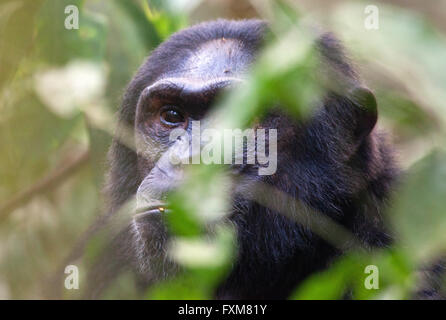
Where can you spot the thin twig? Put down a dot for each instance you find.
(49, 182)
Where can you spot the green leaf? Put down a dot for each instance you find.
(419, 209)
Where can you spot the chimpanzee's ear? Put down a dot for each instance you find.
(366, 111)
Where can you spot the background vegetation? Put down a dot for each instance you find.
(59, 90)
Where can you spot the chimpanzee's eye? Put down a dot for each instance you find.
(172, 117)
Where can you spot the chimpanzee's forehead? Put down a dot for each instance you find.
(215, 58)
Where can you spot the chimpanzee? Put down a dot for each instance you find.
(334, 162)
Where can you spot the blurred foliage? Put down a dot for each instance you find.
(59, 87)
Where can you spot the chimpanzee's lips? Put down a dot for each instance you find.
(159, 208)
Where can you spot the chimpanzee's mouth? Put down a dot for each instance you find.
(158, 208)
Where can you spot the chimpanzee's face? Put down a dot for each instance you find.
(178, 98)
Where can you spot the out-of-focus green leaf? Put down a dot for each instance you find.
(17, 31)
(165, 25)
(204, 261)
(330, 285)
(405, 114)
(183, 287)
(202, 199)
(406, 48)
(148, 33)
(284, 74)
(346, 278)
(419, 209)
